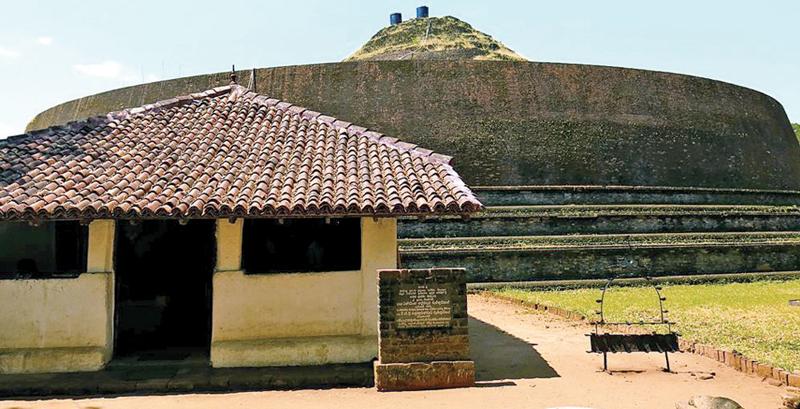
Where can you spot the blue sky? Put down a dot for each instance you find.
(53, 51)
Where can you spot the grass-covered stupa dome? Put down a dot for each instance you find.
(433, 38)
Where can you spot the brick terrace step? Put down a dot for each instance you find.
(410, 246)
(605, 219)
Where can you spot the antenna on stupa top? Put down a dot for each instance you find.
(233, 74)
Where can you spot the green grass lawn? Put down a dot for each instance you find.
(754, 319)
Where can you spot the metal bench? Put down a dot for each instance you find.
(605, 342)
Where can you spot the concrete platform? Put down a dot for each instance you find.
(167, 378)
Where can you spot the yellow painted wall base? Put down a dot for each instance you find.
(303, 318)
(56, 325)
(52, 360)
(294, 351)
(263, 306)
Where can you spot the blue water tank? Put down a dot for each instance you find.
(422, 11)
(395, 19)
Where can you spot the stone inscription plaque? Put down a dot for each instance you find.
(423, 306)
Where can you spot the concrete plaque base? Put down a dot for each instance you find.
(424, 375)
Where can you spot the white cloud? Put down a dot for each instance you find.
(45, 40)
(8, 53)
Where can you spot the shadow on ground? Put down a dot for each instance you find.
(499, 355)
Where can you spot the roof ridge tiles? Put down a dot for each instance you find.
(343, 126)
(237, 91)
(168, 103)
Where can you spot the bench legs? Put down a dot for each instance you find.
(666, 355)
(605, 361)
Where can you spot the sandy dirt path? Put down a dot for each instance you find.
(524, 359)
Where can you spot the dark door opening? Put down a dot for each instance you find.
(163, 289)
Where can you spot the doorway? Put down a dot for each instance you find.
(163, 289)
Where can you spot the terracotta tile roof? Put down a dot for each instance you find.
(225, 152)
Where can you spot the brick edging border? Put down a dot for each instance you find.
(731, 359)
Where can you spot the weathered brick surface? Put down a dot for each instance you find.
(548, 222)
(690, 122)
(423, 357)
(423, 344)
(794, 380)
(419, 375)
(764, 371)
(533, 263)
